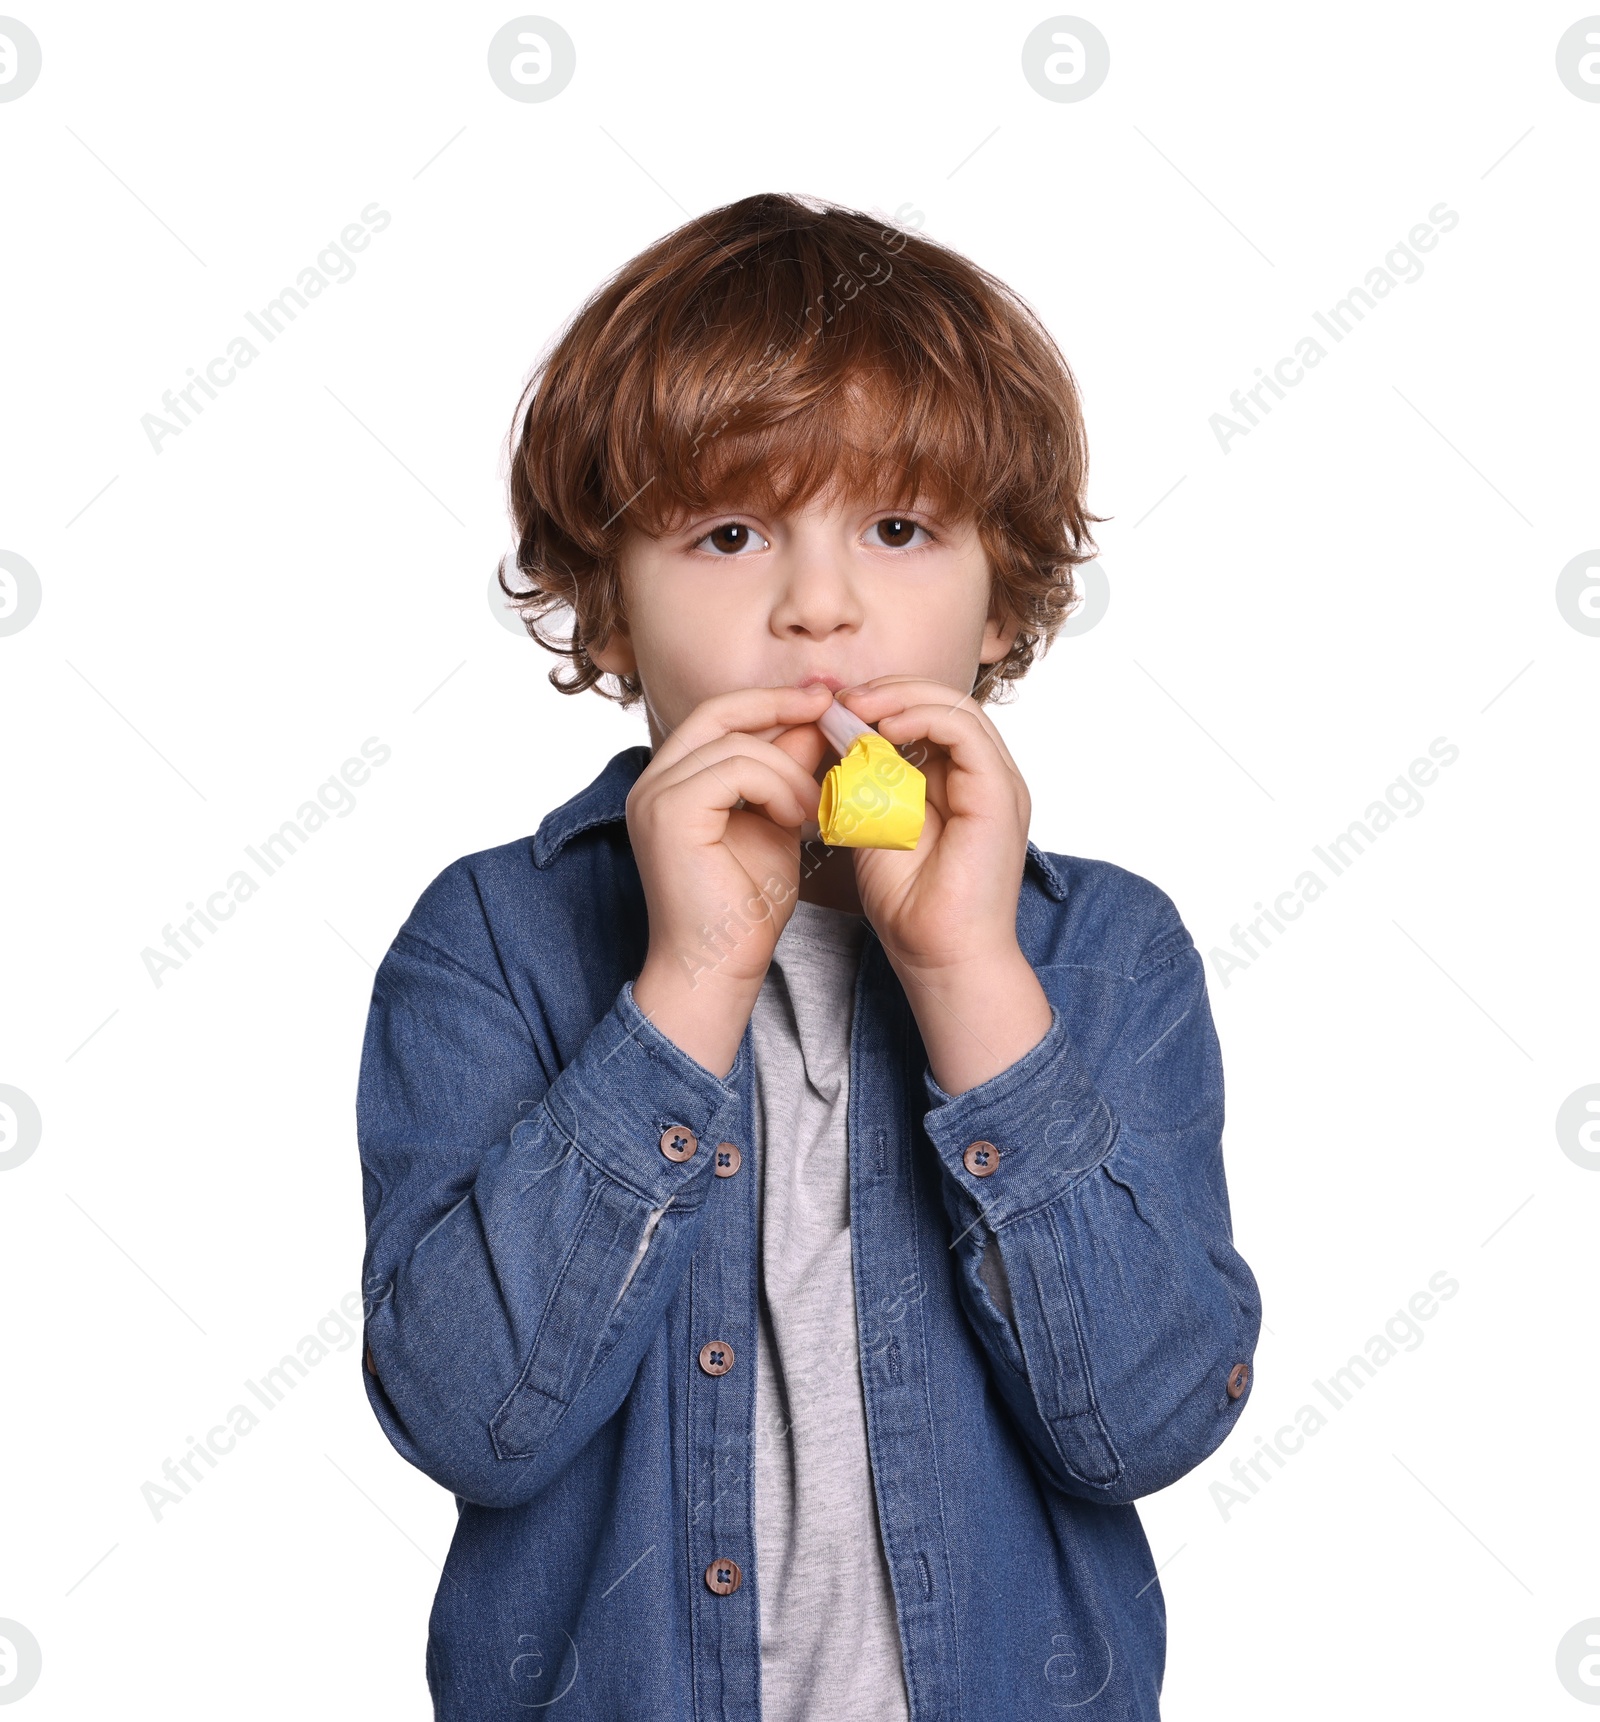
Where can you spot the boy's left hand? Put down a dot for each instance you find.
(950, 903)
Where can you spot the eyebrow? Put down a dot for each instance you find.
(718, 511)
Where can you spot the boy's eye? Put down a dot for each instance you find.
(734, 537)
(731, 537)
(896, 531)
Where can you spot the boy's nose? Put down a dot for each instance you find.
(818, 599)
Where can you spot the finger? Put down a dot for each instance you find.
(889, 694)
(716, 756)
(699, 804)
(806, 744)
(744, 710)
(881, 681)
(877, 699)
(973, 745)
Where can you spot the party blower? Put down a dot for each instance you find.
(872, 799)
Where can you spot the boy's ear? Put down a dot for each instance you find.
(616, 656)
(999, 633)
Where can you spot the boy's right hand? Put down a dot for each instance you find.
(720, 880)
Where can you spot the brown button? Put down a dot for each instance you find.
(981, 1158)
(372, 1368)
(728, 1160)
(678, 1142)
(724, 1577)
(1238, 1380)
(716, 1357)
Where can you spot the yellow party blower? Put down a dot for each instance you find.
(872, 799)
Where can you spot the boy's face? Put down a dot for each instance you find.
(836, 591)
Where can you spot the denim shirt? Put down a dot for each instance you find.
(560, 1216)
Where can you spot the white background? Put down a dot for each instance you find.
(307, 565)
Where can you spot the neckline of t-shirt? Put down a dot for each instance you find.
(818, 924)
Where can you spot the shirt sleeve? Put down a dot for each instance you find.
(1098, 1190)
(525, 1229)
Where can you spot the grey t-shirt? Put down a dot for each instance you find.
(830, 1642)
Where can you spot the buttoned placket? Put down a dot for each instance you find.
(719, 1366)
(895, 1252)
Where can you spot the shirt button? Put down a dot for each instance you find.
(678, 1142)
(1238, 1380)
(716, 1357)
(724, 1577)
(981, 1158)
(728, 1160)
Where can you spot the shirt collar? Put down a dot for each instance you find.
(604, 802)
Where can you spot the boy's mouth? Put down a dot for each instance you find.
(832, 683)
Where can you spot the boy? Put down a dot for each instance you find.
(797, 1260)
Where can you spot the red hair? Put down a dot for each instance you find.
(772, 351)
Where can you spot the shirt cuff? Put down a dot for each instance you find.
(1017, 1141)
(628, 1088)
